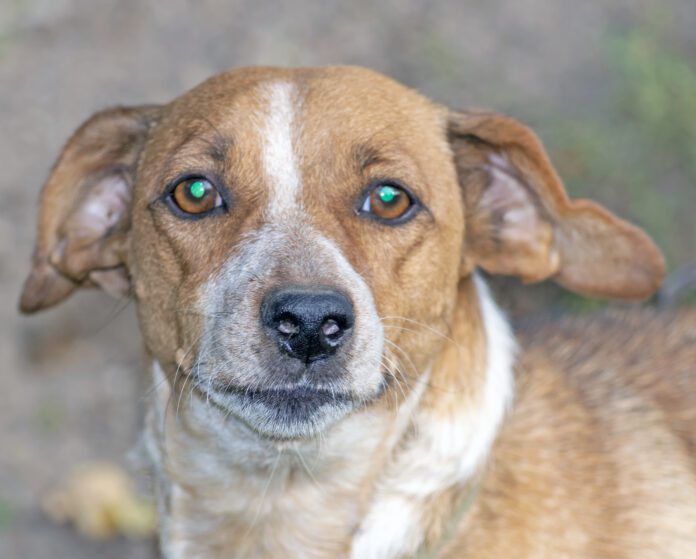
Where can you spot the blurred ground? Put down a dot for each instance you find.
(612, 90)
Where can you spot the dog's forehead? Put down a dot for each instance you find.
(332, 103)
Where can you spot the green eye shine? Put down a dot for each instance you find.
(387, 193)
(197, 189)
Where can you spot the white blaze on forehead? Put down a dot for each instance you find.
(279, 158)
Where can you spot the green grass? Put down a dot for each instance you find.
(50, 418)
(637, 154)
(7, 515)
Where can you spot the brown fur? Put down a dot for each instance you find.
(597, 456)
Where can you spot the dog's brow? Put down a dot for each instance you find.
(218, 147)
(195, 146)
(202, 130)
(366, 156)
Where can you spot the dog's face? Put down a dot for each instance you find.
(295, 238)
(319, 213)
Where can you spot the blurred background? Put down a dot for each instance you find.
(609, 86)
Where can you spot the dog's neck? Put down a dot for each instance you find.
(362, 487)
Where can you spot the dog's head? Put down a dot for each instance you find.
(284, 231)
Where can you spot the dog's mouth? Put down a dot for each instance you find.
(296, 400)
(292, 412)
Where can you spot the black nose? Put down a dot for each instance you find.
(308, 324)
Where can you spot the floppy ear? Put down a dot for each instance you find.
(84, 213)
(521, 222)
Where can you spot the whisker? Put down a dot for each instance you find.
(309, 472)
(426, 326)
(419, 378)
(398, 382)
(414, 369)
(263, 495)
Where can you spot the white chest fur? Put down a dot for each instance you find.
(305, 499)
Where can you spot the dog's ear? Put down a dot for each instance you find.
(520, 221)
(84, 213)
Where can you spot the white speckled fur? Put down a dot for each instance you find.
(394, 527)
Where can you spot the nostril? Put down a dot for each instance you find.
(288, 326)
(332, 332)
(331, 329)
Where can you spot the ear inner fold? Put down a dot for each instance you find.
(520, 221)
(90, 237)
(84, 209)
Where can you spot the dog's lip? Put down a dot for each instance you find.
(301, 393)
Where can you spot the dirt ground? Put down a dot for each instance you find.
(71, 384)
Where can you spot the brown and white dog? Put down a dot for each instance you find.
(331, 375)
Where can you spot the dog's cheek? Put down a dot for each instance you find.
(156, 285)
(417, 308)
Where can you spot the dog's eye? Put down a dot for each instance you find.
(388, 202)
(196, 196)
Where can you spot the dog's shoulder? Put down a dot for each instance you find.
(619, 361)
(604, 413)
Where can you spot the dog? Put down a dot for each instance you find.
(331, 376)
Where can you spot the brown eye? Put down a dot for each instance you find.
(196, 196)
(387, 202)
